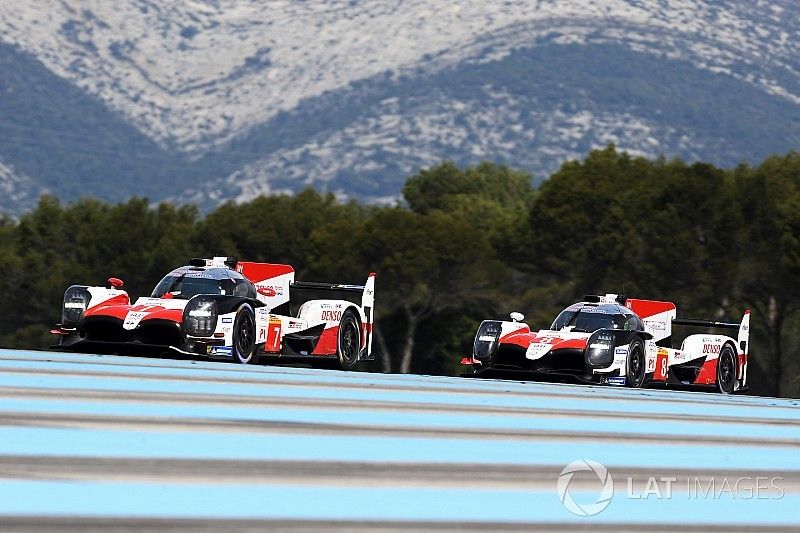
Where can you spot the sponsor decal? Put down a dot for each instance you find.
(621, 350)
(596, 310)
(616, 380)
(711, 348)
(538, 349)
(222, 350)
(269, 292)
(331, 315)
(196, 274)
(132, 319)
(227, 320)
(656, 325)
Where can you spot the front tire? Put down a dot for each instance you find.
(244, 335)
(726, 370)
(348, 345)
(636, 365)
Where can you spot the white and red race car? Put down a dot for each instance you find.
(222, 307)
(618, 341)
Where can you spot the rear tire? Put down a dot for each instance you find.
(636, 364)
(726, 370)
(244, 335)
(348, 345)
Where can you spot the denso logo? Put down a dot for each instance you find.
(711, 348)
(331, 316)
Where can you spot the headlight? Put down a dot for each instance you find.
(76, 300)
(200, 317)
(600, 349)
(486, 340)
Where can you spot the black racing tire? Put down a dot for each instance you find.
(636, 364)
(348, 344)
(726, 370)
(244, 335)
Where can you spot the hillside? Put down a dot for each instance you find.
(206, 101)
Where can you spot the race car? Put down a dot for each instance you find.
(614, 340)
(222, 307)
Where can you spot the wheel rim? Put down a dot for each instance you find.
(637, 365)
(726, 372)
(349, 342)
(244, 338)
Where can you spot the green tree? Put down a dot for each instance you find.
(271, 228)
(769, 258)
(621, 224)
(426, 263)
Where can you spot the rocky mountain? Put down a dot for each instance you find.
(210, 100)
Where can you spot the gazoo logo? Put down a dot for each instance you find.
(711, 348)
(331, 315)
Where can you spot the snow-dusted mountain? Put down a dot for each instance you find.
(209, 100)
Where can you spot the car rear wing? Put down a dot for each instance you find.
(704, 323)
(350, 293)
(743, 327)
(363, 295)
(327, 286)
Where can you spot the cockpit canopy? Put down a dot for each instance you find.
(589, 317)
(188, 281)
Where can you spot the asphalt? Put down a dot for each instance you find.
(97, 442)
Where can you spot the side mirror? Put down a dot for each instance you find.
(517, 317)
(115, 283)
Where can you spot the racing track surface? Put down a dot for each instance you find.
(90, 440)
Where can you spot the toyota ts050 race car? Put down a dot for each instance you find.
(222, 307)
(618, 341)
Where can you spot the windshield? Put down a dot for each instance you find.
(588, 320)
(183, 287)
